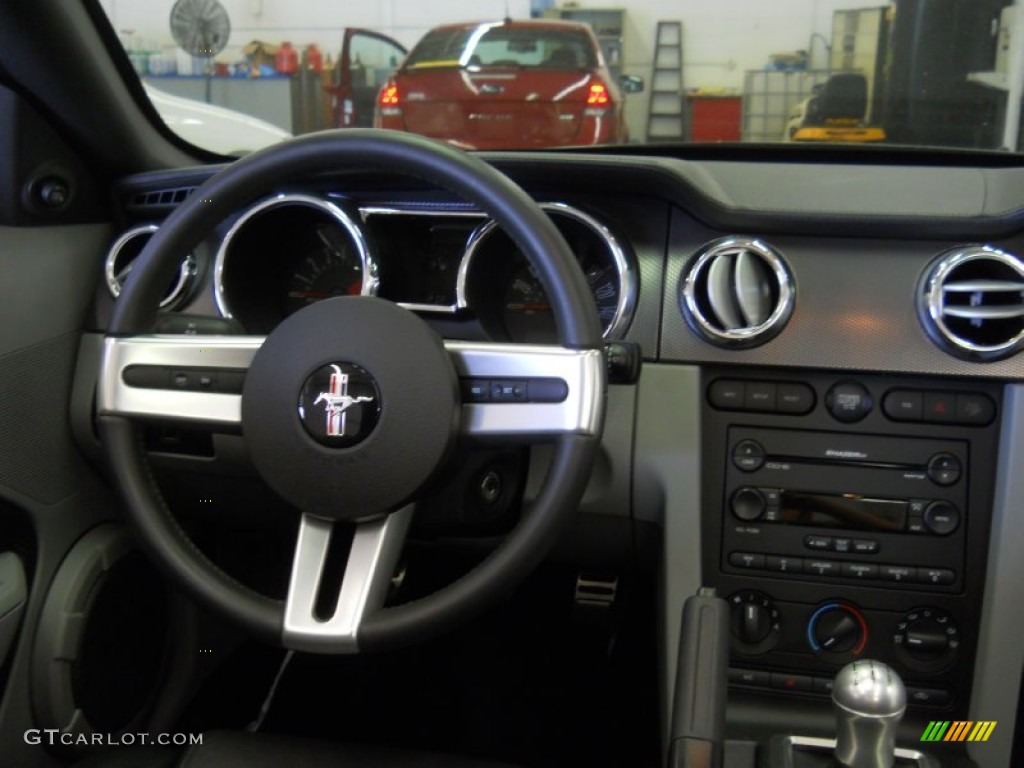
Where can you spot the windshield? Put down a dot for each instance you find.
(233, 76)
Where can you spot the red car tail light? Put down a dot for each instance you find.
(598, 96)
(389, 100)
(599, 101)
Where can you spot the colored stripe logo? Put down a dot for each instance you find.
(959, 730)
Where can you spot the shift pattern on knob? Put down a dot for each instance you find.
(869, 700)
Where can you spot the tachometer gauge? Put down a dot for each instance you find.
(330, 270)
(497, 273)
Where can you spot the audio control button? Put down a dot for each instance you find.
(781, 564)
(748, 504)
(942, 518)
(748, 456)
(860, 571)
(822, 567)
(915, 524)
(939, 576)
(900, 573)
(842, 544)
(760, 396)
(903, 405)
(747, 560)
(820, 543)
(944, 469)
(794, 398)
(865, 547)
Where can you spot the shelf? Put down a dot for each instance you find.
(997, 80)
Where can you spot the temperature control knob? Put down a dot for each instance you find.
(837, 628)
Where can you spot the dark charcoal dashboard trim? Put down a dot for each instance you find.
(992, 210)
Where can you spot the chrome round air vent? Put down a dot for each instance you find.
(971, 302)
(121, 258)
(737, 292)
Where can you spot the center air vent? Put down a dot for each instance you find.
(737, 292)
(971, 302)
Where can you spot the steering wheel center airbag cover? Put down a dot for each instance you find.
(406, 380)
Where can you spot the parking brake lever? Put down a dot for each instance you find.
(698, 713)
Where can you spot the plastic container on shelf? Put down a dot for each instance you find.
(314, 58)
(286, 60)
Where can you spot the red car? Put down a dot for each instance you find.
(507, 84)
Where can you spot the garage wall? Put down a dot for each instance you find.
(308, 21)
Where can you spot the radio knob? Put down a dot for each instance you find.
(941, 518)
(837, 628)
(748, 504)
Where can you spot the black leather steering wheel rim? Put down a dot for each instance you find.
(257, 175)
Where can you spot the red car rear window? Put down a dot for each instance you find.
(500, 45)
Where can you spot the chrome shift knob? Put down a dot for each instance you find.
(869, 700)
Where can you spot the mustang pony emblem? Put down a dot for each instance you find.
(338, 401)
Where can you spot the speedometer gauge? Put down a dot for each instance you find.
(496, 274)
(287, 252)
(330, 269)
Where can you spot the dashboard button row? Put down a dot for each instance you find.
(761, 396)
(781, 681)
(842, 544)
(907, 574)
(970, 408)
(521, 390)
(218, 380)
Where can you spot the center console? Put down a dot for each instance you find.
(847, 517)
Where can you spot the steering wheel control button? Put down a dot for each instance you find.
(942, 518)
(475, 390)
(748, 504)
(903, 405)
(944, 469)
(340, 405)
(748, 456)
(508, 391)
(848, 402)
(147, 376)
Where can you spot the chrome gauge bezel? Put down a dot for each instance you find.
(186, 273)
(370, 276)
(624, 263)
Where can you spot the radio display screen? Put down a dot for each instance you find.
(846, 511)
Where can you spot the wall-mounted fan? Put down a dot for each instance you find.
(200, 27)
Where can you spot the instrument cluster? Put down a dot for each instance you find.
(292, 250)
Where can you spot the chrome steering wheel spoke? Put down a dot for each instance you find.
(142, 377)
(528, 390)
(372, 558)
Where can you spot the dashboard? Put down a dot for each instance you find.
(829, 410)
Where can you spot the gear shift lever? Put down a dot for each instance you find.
(869, 700)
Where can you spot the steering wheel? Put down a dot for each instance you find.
(351, 405)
